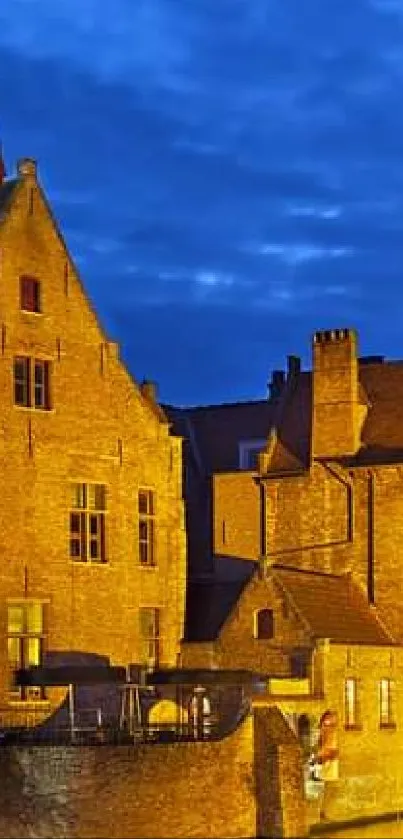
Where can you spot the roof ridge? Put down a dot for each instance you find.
(218, 405)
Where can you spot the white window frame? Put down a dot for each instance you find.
(151, 645)
(246, 448)
(26, 658)
(147, 523)
(386, 709)
(36, 388)
(86, 512)
(351, 707)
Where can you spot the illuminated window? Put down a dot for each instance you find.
(87, 522)
(25, 638)
(32, 383)
(264, 624)
(147, 527)
(351, 703)
(150, 636)
(30, 300)
(386, 717)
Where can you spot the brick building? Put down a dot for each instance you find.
(92, 538)
(299, 574)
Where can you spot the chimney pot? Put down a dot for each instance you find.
(293, 366)
(26, 166)
(276, 384)
(149, 389)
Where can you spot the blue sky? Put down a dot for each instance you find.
(228, 174)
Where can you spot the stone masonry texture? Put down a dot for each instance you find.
(99, 429)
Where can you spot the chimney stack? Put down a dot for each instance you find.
(337, 414)
(276, 384)
(293, 366)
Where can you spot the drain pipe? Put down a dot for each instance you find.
(371, 539)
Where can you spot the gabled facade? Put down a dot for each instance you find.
(92, 538)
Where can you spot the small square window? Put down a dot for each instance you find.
(30, 294)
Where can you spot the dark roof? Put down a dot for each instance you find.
(380, 391)
(292, 449)
(6, 190)
(203, 676)
(70, 674)
(332, 607)
(209, 604)
(214, 431)
(383, 384)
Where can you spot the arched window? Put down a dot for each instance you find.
(264, 624)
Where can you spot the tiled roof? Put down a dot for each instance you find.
(329, 606)
(6, 191)
(332, 607)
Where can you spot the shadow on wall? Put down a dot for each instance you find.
(89, 699)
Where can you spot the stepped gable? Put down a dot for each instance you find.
(333, 607)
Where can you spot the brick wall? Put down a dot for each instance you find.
(224, 788)
(100, 429)
(236, 515)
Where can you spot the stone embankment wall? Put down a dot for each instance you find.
(242, 786)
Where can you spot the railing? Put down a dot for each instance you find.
(91, 729)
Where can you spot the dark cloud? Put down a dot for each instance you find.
(228, 175)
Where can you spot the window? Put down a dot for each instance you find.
(25, 637)
(30, 294)
(248, 453)
(87, 522)
(150, 636)
(264, 624)
(351, 703)
(386, 717)
(147, 527)
(31, 383)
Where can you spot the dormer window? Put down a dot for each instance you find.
(249, 451)
(30, 297)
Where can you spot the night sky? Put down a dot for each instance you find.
(228, 174)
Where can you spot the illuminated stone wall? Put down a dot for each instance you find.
(100, 429)
(237, 787)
